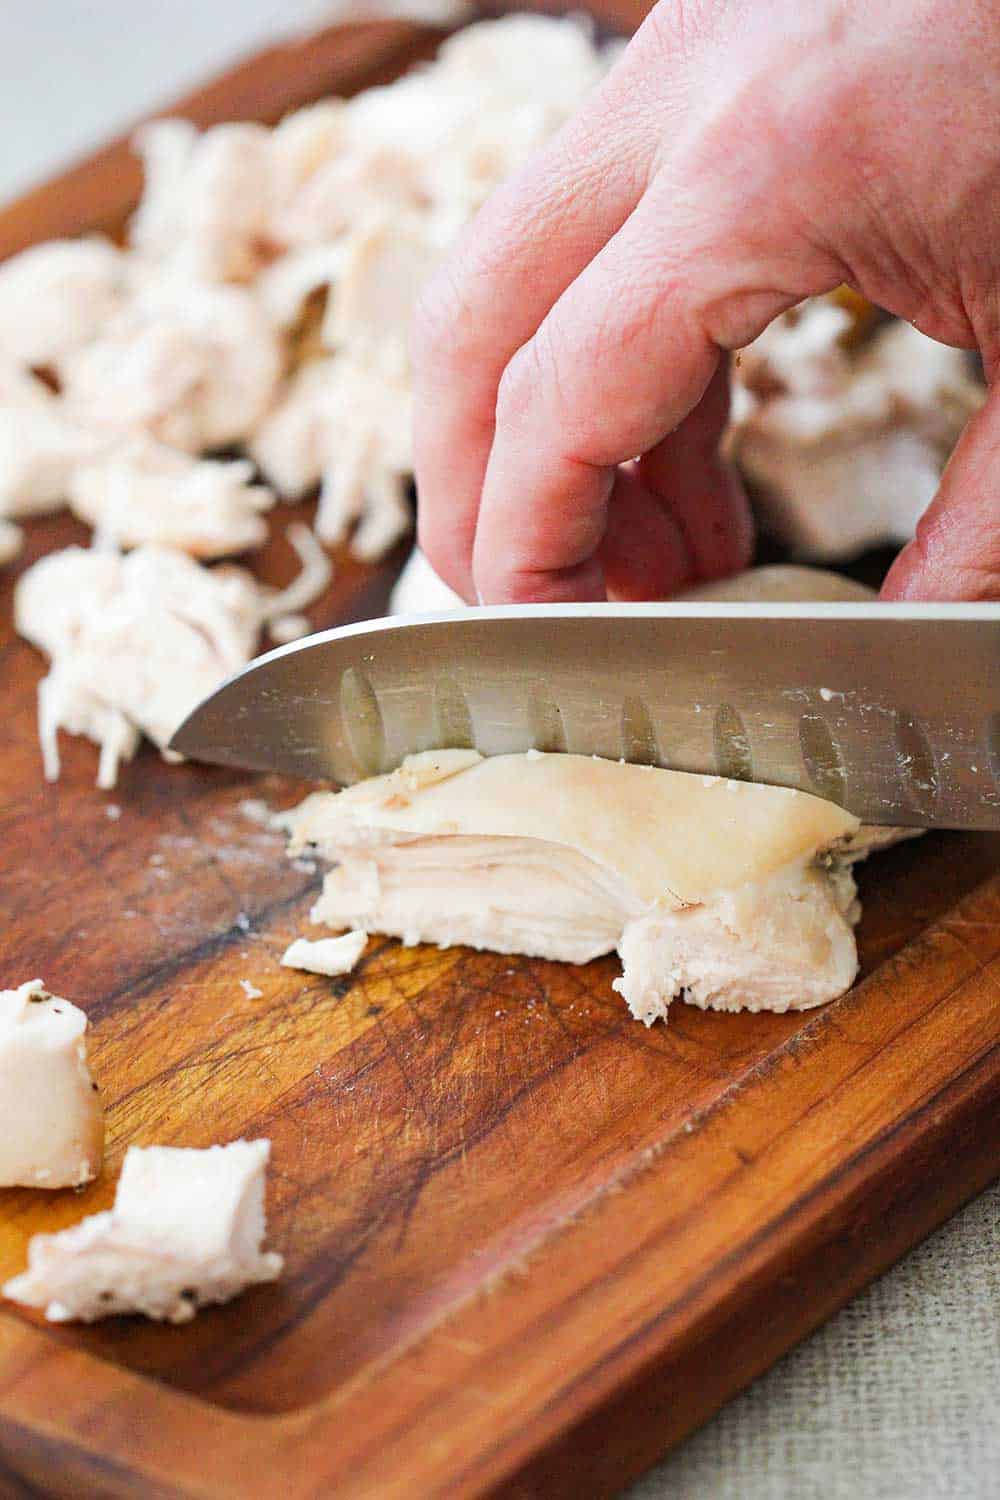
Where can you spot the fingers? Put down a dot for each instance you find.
(956, 551)
(619, 361)
(687, 470)
(525, 247)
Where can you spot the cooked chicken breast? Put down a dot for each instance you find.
(734, 895)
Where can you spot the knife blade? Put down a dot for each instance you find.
(891, 710)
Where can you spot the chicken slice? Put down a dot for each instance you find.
(55, 297)
(185, 1231)
(51, 1120)
(569, 857)
(141, 491)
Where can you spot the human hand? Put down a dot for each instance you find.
(741, 155)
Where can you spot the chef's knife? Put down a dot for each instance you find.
(891, 710)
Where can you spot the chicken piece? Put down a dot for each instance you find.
(286, 286)
(40, 444)
(336, 955)
(345, 422)
(281, 609)
(56, 297)
(195, 366)
(365, 180)
(384, 269)
(137, 641)
(51, 1120)
(11, 542)
(185, 1231)
(214, 202)
(730, 893)
(206, 204)
(847, 441)
(141, 491)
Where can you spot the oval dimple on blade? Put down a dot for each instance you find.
(362, 721)
(822, 759)
(639, 742)
(733, 756)
(452, 716)
(547, 729)
(917, 765)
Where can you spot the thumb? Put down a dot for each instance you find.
(956, 551)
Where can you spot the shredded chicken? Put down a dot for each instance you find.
(55, 298)
(193, 364)
(142, 491)
(137, 641)
(40, 445)
(206, 205)
(846, 438)
(345, 423)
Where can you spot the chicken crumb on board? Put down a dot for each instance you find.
(332, 956)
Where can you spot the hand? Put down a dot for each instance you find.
(740, 156)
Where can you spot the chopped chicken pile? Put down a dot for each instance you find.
(143, 491)
(51, 1120)
(185, 1231)
(254, 254)
(136, 641)
(260, 305)
(846, 432)
(738, 896)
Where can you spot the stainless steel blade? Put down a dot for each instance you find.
(891, 710)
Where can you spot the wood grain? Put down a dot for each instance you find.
(530, 1244)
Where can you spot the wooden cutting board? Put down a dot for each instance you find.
(529, 1243)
